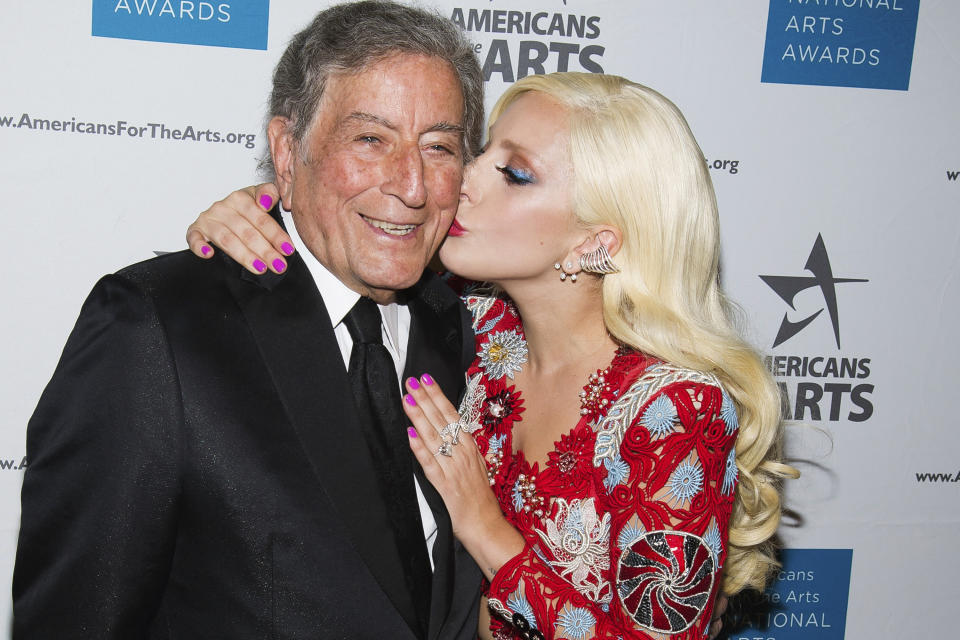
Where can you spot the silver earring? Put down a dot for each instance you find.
(598, 261)
(565, 271)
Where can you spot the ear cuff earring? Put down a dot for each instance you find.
(598, 261)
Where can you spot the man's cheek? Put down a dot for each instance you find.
(446, 188)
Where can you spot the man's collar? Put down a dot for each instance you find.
(338, 298)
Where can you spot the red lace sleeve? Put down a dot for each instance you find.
(640, 554)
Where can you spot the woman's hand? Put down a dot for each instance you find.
(454, 466)
(239, 224)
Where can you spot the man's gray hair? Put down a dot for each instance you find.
(348, 37)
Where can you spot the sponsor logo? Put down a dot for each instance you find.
(841, 43)
(787, 287)
(815, 386)
(952, 175)
(807, 601)
(566, 41)
(240, 25)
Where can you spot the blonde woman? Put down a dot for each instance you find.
(615, 462)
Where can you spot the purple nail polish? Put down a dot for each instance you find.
(427, 380)
(412, 432)
(287, 248)
(259, 266)
(410, 400)
(413, 383)
(266, 202)
(205, 250)
(279, 265)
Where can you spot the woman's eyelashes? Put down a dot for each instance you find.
(515, 176)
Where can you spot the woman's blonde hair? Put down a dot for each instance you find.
(638, 168)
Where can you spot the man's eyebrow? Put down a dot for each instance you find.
(447, 126)
(361, 116)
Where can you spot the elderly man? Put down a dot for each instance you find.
(222, 456)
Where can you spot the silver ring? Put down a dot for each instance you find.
(445, 449)
(453, 431)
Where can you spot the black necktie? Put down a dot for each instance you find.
(373, 377)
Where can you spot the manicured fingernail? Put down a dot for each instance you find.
(426, 379)
(279, 265)
(410, 400)
(266, 202)
(259, 266)
(412, 432)
(205, 250)
(287, 249)
(413, 383)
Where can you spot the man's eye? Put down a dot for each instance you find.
(368, 139)
(516, 176)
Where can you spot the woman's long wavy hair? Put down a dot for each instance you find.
(638, 167)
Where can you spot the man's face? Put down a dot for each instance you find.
(376, 181)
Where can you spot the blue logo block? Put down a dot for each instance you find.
(242, 25)
(841, 43)
(807, 601)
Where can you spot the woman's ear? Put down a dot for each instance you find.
(283, 153)
(609, 236)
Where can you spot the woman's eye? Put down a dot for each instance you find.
(516, 176)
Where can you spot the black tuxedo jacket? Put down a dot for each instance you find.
(196, 470)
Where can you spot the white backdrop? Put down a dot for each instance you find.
(871, 171)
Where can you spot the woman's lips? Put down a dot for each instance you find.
(455, 229)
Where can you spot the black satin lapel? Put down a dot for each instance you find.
(434, 347)
(293, 332)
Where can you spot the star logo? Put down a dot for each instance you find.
(787, 287)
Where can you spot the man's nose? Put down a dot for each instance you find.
(406, 177)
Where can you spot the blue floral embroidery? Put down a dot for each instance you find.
(730, 473)
(518, 604)
(712, 540)
(575, 623)
(617, 472)
(630, 534)
(517, 497)
(729, 414)
(496, 443)
(659, 417)
(686, 481)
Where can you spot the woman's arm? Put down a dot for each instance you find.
(240, 225)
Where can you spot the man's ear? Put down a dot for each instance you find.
(283, 152)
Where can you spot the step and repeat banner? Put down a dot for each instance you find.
(830, 128)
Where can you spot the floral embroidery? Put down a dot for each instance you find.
(612, 427)
(730, 472)
(575, 623)
(713, 541)
(579, 541)
(686, 481)
(659, 417)
(479, 306)
(729, 414)
(665, 580)
(617, 472)
(503, 354)
(630, 534)
(501, 405)
(517, 496)
(518, 604)
(571, 459)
